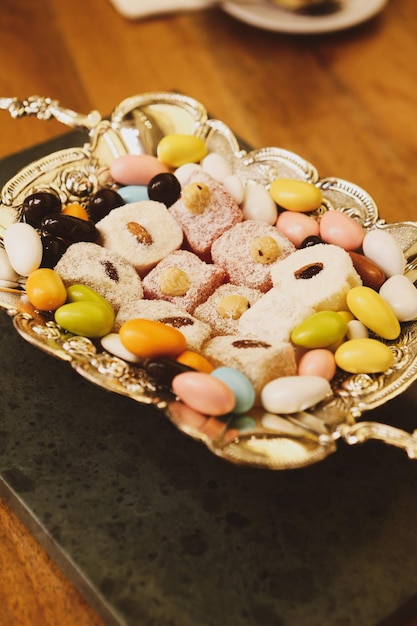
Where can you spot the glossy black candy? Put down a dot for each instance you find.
(312, 240)
(102, 202)
(165, 188)
(37, 205)
(164, 370)
(53, 249)
(70, 228)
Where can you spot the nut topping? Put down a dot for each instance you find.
(174, 281)
(232, 306)
(140, 233)
(196, 197)
(308, 271)
(264, 250)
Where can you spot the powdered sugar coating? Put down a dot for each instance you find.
(232, 251)
(103, 270)
(204, 279)
(202, 229)
(273, 317)
(208, 311)
(327, 289)
(165, 234)
(259, 361)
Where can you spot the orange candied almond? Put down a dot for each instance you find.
(196, 361)
(76, 210)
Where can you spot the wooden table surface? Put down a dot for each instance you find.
(345, 101)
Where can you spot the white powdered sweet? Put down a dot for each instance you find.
(320, 276)
(142, 232)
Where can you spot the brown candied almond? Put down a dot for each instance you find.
(371, 274)
(140, 233)
(232, 306)
(264, 250)
(174, 281)
(196, 197)
(308, 271)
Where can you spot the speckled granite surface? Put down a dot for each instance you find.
(156, 531)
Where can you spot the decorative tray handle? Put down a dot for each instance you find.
(46, 109)
(361, 432)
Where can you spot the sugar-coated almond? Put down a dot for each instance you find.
(195, 360)
(318, 362)
(290, 394)
(204, 393)
(217, 166)
(149, 338)
(239, 384)
(258, 205)
(356, 330)
(372, 310)
(83, 293)
(133, 193)
(234, 187)
(342, 230)
(364, 356)
(297, 226)
(76, 210)
(112, 344)
(296, 195)
(87, 319)
(7, 273)
(401, 295)
(383, 248)
(136, 169)
(24, 248)
(45, 289)
(178, 149)
(371, 274)
(321, 330)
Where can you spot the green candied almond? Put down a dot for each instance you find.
(85, 318)
(83, 293)
(321, 330)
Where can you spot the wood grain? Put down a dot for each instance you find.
(33, 590)
(345, 101)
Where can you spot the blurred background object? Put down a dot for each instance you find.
(296, 16)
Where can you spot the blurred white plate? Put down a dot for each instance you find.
(275, 19)
(259, 13)
(135, 9)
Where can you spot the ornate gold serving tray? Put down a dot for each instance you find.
(136, 125)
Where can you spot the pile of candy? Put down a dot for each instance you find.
(355, 340)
